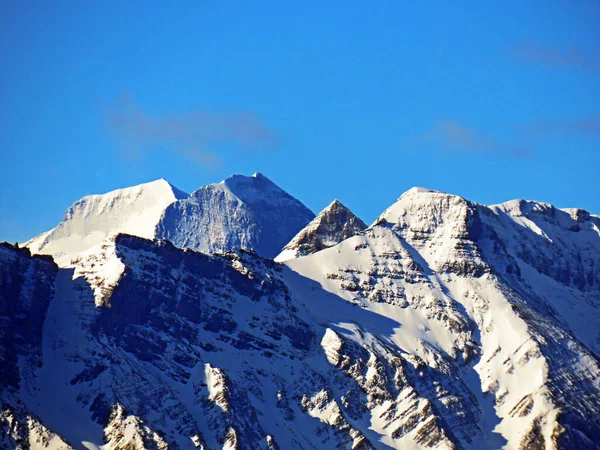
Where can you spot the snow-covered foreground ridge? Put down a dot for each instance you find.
(446, 324)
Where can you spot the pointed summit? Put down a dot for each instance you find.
(333, 225)
(241, 211)
(258, 189)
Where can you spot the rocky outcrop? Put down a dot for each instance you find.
(331, 226)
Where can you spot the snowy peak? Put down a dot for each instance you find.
(423, 215)
(561, 244)
(134, 210)
(258, 190)
(239, 212)
(564, 218)
(333, 225)
(421, 190)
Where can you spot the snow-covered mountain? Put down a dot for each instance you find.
(446, 324)
(135, 210)
(476, 296)
(239, 212)
(331, 226)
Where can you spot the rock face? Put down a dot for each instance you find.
(26, 289)
(251, 213)
(331, 226)
(135, 210)
(446, 324)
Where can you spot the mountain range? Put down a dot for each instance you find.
(234, 318)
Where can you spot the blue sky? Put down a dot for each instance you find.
(351, 100)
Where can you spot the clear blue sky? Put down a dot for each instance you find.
(352, 100)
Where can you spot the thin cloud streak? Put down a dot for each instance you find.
(589, 126)
(198, 135)
(545, 55)
(452, 135)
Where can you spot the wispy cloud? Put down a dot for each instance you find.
(550, 56)
(589, 126)
(198, 135)
(452, 135)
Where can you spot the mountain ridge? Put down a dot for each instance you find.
(445, 324)
(141, 209)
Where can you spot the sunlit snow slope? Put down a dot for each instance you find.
(506, 298)
(135, 210)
